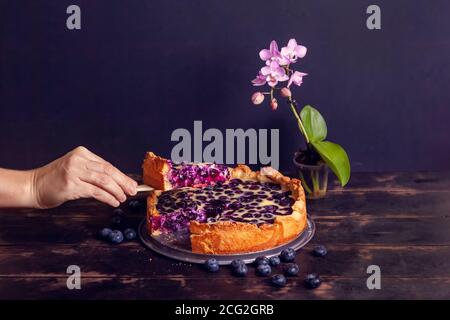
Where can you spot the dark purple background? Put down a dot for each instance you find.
(140, 69)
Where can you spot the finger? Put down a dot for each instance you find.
(127, 184)
(92, 191)
(105, 182)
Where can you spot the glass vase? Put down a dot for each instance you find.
(314, 178)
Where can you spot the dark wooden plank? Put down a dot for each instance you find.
(230, 288)
(396, 231)
(131, 259)
(376, 204)
(56, 229)
(394, 182)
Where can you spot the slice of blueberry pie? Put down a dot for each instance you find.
(163, 174)
(226, 210)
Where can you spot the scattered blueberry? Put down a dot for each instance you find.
(278, 280)
(291, 269)
(116, 237)
(118, 212)
(117, 221)
(236, 263)
(212, 265)
(263, 270)
(130, 234)
(287, 255)
(261, 260)
(312, 281)
(105, 233)
(134, 204)
(274, 261)
(240, 270)
(320, 251)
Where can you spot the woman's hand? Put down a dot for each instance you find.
(79, 174)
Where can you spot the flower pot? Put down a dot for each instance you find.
(314, 178)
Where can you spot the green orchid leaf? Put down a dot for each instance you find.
(336, 158)
(314, 124)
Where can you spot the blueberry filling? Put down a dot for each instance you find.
(197, 175)
(234, 200)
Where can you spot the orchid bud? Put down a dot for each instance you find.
(257, 98)
(285, 92)
(274, 104)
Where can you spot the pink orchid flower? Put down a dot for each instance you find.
(272, 54)
(293, 51)
(260, 80)
(296, 78)
(271, 74)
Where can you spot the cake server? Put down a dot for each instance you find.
(144, 188)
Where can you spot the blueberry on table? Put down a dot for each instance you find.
(278, 280)
(212, 265)
(291, 269)
(130, 234)
(287, 255)
(236, 263)
(116, 237)
(105, 233)
(312, 281)
(263, 270)
(134, 204)
(274, 261)
(241, 270)
(320, 251)
(261, 260)
(118, 212)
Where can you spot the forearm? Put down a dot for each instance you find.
(16, 188)
(78, 174)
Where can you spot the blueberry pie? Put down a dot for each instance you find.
(225, 210)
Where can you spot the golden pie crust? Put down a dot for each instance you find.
(155, 171)
(229, 237)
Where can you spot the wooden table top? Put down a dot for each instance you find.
(398, 221)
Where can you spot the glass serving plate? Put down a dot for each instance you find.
(177, 246)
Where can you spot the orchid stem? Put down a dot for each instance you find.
(299, 121)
